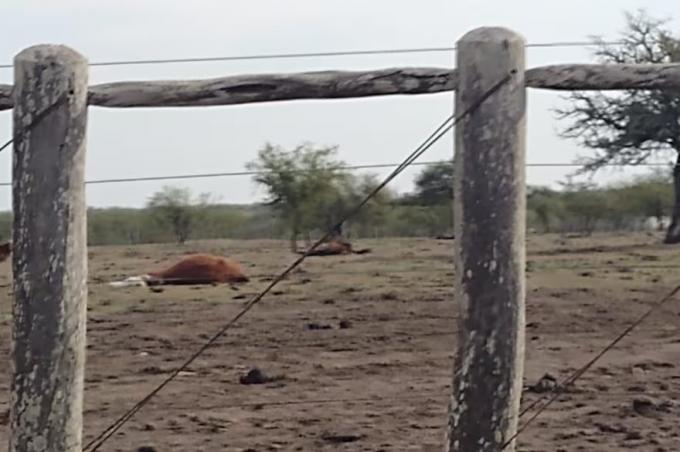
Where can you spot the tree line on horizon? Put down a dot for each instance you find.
(308, 191)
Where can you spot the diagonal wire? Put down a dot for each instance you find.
(447, 125)
(38, 118)
(579, 372)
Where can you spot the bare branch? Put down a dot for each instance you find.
(631, 126)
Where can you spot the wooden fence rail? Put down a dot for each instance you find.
(245, 89)
(50, 260)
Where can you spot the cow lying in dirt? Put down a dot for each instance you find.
(194, 269)
(335, 247)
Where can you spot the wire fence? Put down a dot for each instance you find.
(439, 132)
(540, 404)
(340, 53)
(342, 168)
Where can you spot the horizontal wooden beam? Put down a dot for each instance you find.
(574, 77)
(244, 89)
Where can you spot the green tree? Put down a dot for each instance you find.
(648, 196)
(434, 190)
(546, 206)
(219, 221)
(414, 221)
(299, 183)
(372, 215)
(434, 185)
(118, 226)
(175, 208)
(585, 205)
(631, 126)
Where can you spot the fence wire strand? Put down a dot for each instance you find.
(293, 55)
(447, 125)
(342, 168)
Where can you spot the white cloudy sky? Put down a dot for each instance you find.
(143, 142)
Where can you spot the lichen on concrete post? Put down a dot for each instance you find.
(49, 255)
(489, 206)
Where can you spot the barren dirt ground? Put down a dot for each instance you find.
(382, 382)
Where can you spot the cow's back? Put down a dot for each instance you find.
(202, 268)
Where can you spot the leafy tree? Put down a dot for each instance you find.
(434, 185)
(419, 221)
(434, 189)
(631, 126)
(117, 226)
(354, 190)
(648, 196)
(546, 206)
(298, 183)
(586, 205)
(219, 221)
(174, 207)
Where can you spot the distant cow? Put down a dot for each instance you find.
(195, 269)
(335, 247)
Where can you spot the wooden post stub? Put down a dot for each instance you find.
(49, 255)
(489, 206)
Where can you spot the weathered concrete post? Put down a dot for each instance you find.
(49, 256)
(489, 205)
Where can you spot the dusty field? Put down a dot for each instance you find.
(381, 383)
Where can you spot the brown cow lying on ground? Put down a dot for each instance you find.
(5, 250)
(195, 269)
(335, 247)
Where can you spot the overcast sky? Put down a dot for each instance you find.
(168, 141)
